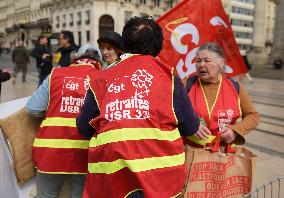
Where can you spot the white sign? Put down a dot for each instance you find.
(136, 107)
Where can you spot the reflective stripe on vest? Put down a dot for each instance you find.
(202, 142)
(127, 134)
(137, 165)
(58, 121)
(61, 143)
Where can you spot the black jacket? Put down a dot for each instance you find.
(44, 65)
(20, 55)
(65, 55)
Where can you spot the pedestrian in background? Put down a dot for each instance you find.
(43, 56)
(248, 65)
(66, 46)
(246, 75)
(20, 57)
(112, 47)
(277, 63)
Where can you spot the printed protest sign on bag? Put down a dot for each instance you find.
(192, 23)
(217, 174)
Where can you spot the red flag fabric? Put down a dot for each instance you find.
(192, 23)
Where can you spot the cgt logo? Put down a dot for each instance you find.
(71, 85)
(73, 94)
(116, 88)
(75, 85)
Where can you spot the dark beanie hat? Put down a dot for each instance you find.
(112, 38)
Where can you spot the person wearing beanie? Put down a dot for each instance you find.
(59, 150)
(112, 47)
(88, 51)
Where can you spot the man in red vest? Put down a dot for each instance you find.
(59, 150)
(138, 110)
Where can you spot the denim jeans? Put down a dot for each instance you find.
(48, 185)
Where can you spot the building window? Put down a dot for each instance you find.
(143, 2)
(244, 47)
(64, 21)
(79, 18)
(57, 21)
(106, 23)
(243, 11)
(157, 3)
(88, 36)
(79, 39)
(169, 4)
(243, 35)
(127, 0)
(127, 16)
(71, 23)
(88, 17)
(243, 23)
(245, 1)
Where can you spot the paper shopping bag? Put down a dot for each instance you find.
(218, 175)
(19, 129)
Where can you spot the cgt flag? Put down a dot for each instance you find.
(192, 23)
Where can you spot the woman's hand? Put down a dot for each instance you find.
(202, 132)
(228, 135)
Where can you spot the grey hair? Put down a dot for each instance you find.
(212, 47)
(215, 49)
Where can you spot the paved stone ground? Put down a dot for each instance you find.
(12, 92)
(267, 141)
(267, 71)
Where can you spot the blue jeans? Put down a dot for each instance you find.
(49, 185)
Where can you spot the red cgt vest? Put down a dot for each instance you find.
(225, 110)
(137, 145)
(58, 146)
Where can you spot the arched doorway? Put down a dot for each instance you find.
(106, 23)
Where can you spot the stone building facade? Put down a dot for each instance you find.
(24, 20)
(278, 47)
(252, 20)
(88, 19)
(241, 15)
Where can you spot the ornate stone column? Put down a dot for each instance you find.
(278, 44)
(258, 55)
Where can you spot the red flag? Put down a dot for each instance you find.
(190, 24)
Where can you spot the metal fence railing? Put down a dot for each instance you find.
(272, 189)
